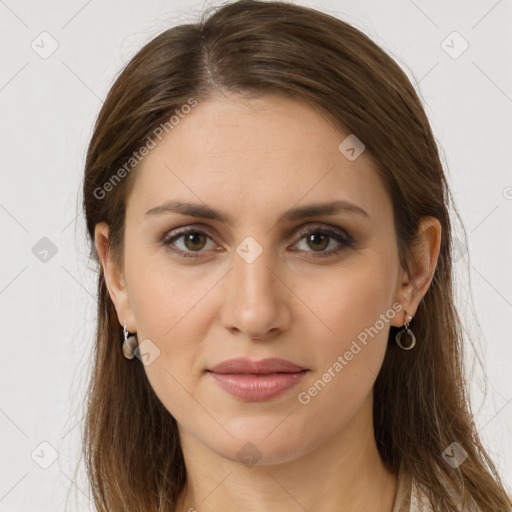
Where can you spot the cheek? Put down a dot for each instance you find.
(169, 308)
(351, 302)
(356, 310)
(164, 297)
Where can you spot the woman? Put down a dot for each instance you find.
(238, 366)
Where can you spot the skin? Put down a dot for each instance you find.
(254, 159)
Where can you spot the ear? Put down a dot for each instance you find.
(114, 278)
(422, 268)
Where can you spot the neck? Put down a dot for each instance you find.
(343, 474)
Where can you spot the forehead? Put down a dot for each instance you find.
(259, 154)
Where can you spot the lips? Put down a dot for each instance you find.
(265, 366)
(257, 381)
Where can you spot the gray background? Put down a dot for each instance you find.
(48, 107)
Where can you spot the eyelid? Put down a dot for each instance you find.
(327, 228)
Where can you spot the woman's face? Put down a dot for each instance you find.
(267, 276)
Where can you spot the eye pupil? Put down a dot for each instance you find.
(314, 237)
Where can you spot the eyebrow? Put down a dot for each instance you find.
(301, 212)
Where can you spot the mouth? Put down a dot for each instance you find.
(262, 367)
(257, 381)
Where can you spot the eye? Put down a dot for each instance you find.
(319, 239)
(193, 241)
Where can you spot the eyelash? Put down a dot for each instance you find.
(345, 241)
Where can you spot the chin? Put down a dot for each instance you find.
(259, 441)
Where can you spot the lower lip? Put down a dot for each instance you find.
(257, 388)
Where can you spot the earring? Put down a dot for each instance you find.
(130, 343)
(409, 332)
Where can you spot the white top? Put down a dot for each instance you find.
(410, 497)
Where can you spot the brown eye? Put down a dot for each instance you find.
(318, 241)
(194, 241)
(187, 242)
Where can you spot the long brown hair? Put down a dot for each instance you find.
(131, 444)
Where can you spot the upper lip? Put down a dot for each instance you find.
(264, 366)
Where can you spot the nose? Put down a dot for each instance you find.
(257, 299)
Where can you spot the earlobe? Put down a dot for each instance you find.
(114, 278)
